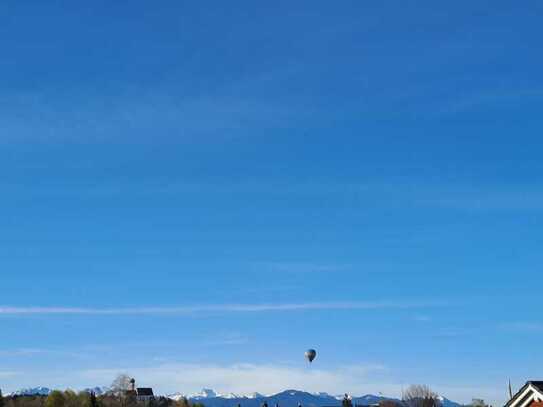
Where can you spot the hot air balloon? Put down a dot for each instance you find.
(310, 355)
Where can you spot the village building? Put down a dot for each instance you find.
(144, 394)
(139, 393)
(530, 395)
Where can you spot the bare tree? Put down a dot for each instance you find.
(121, 384)
(420, 395)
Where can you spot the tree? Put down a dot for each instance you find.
(121, 384)
(71, 399)
(55, 399)
(84, 399)
(346, 402)
(24, 401)
(420, 395)
(92, 400)
(1, 399)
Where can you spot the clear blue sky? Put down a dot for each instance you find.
(218, 186)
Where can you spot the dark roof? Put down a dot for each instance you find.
(538, 384)
(145, 391)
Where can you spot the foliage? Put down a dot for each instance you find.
(56, 399)
(84, 399)
(27, 401)
(72, 399)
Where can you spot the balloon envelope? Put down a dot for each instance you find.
(310, 355)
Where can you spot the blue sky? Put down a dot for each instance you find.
(213, 188)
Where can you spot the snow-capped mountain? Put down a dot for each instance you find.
(445, 402)
(205, 394)
(98, 390)
(287, 398)
(31, 391)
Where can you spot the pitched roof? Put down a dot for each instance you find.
(532, 390)
(145, 391)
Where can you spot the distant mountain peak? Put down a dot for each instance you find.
(32, 391)
(205, 394)
(98, 390)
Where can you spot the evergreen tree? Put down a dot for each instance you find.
(346, 401)
(1, 399)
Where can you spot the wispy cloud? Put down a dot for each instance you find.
(299, 267)
(33, 352)
(221, 308)
(44, 117)
(228, 338)
(521, 326)
(21, 352)
(8, 373)
(526, 198)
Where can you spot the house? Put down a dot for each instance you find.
(146, 394)
(530, 395)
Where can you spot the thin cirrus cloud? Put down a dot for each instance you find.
(8, 373)
(218, 308)
(522, 327)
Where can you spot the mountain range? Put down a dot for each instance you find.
(287, 398)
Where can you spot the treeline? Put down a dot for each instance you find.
(70, 398)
